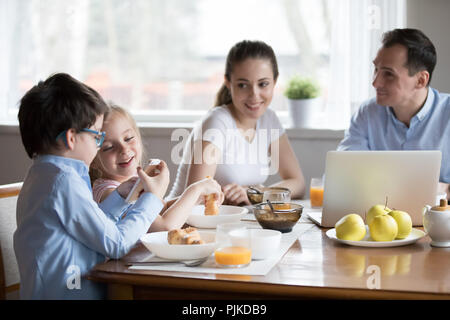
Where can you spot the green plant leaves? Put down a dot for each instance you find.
(302, 88)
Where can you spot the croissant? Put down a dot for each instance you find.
(188, 235)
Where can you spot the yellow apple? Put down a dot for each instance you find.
(383, 228)
(404, 223)
(350, 227)
(376, 210)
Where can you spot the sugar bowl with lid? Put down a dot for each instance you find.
(436, 222)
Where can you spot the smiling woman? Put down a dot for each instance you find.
(241, 127)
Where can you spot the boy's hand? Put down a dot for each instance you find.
(205, 187)
(235, 194)
(158, 183)
(125, 187)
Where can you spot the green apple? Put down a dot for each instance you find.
(376, 210)
(350, 227)
(383, 228)
(404, 223)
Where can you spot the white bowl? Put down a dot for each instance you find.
(226, 214)
(157, 243)
(264, 243)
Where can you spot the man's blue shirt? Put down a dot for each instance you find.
(62, 232)
(375, 127)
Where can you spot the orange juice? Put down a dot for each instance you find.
(316, 196)
(282, 206)
(233, 256)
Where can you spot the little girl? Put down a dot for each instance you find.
(120, 156)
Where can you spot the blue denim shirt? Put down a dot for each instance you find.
(62, 232)
(375, 127)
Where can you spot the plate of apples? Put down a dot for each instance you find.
(383, 228)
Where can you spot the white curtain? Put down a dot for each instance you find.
(7, 13)
(357, 28)
(38, 38)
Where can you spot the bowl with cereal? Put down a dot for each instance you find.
(283, 217)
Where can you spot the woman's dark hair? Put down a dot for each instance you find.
(421, 51)
(54, 105)
(239, 52)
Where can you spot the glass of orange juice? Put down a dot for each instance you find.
(277, 195)
(316, 192)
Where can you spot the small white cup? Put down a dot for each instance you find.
(264, 243)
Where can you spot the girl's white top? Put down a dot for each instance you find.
(241, 162)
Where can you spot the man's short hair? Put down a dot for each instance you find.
(421, 51)
(54, 105)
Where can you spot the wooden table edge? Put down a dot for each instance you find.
(259, 290)
(10, 190)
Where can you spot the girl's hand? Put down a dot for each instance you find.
(204, 187)
(156, 184)
(125, 187)
(235, 195)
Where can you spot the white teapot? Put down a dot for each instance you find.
(436, 222)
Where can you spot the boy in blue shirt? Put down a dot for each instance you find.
(61, 231)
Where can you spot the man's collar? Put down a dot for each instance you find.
(427, 105)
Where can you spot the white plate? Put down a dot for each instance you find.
(226, 214)
(367, 241)
(157, 243)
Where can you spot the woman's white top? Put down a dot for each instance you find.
(241, 162)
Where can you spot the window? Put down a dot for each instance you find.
(164, 59)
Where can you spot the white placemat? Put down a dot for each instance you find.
(256, 267)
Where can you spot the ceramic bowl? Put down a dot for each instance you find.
(157, 243)
(226, 214)
(262, 242)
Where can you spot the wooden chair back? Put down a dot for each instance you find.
(9, 271)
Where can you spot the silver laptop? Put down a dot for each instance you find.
(357, 180)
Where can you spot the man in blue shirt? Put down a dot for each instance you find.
(61, 231)
(407, 114)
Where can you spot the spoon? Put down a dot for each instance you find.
(271, 208)
(187, 263)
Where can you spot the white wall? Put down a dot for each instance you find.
(432, 17)
(14, 161)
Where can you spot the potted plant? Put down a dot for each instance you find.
(303, 100)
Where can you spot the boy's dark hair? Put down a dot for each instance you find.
(421, 51)
(54, 105)
(239, 52)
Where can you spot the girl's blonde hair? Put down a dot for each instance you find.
(238, 53)
(96, 169)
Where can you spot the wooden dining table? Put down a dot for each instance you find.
(314, 267)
